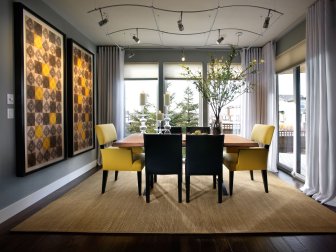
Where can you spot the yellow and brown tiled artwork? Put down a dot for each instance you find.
(82, 100)
(43, 94)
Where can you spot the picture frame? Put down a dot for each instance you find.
(39, 49)
(80, 79)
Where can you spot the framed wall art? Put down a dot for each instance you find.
(80, 73)
(39, 91)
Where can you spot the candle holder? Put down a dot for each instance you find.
(167, 120)
(158, 127)
(143, 121)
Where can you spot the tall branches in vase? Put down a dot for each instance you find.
(223, 84)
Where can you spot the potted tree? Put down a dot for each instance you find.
(222, 84)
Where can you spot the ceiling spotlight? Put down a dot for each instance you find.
(220, 39)
(238, 36)
(179, 23)
(104, 20)
(267, 20)
(131, 54)
(135, 38)
(183, 57)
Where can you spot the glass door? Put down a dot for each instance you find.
(286, 120)
(292, 120)
(303, 120)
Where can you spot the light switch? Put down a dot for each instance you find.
(10, 99)
(10, 113)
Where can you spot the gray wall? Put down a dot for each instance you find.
(14, 188)
(291, 38)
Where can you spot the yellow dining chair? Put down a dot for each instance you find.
(254, 158)
(115, 158)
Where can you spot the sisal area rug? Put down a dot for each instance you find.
(120, 210)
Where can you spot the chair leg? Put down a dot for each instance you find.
(214, 181)
(251, 174)
(231, 182)
(116, 175)
(139, 182)
(105, 174)
(179, 183)
(187, 181)
(148, 177)
(220, 187)
(152, 181)
(155, 178)
(264, 176)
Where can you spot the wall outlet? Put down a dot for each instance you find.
(10, 113)
(10, 99)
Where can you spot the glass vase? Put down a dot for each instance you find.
(216, 127)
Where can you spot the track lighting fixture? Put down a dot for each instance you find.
(136, 38)
(220, 39)
(179, 23)
(267, 20)
(183, 57)
(271, 13)
(104, 20)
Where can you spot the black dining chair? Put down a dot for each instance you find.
(190, 130)
(163, 157)
(173, 130)
(204, 156)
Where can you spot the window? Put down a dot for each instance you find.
(140, 77)
(185, 109)
(292, 120)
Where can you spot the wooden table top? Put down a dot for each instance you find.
(136, 140)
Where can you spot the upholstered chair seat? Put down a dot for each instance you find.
(115, 158)
(250, 159)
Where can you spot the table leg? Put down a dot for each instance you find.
(224, 188)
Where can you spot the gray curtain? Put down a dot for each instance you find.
(321, 102)
(111, 87)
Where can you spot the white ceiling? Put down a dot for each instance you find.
(229, 20)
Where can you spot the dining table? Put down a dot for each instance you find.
(231, 143)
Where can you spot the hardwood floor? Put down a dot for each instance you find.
(10, 241)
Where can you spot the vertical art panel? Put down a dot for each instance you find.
(39, 76)
(81, 98)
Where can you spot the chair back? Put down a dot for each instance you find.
(262, 133)
(190, 130)
(174, 129)
(204, 154)
(106, 133)
(163, 153)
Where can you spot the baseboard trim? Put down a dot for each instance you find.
(31, 199)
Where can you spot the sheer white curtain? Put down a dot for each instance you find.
(259, 106)
(321, 102)
(269, 92)
(111, 87)
(250, 111)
